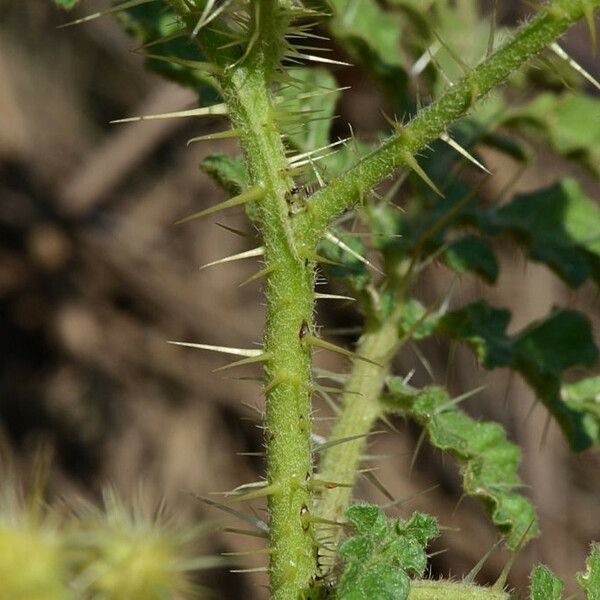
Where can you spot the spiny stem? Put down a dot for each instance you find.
(290, 298)
(433, 121)
(360, 409)
(423, 589)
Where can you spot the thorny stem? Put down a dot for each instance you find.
(424, 589)
(360, 410)
(533, 37)
(290, 296)
(289, 291)
(359, 413)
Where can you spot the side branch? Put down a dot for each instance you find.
(432, 122)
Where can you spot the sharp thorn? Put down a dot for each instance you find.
(109, 11)
(375, 481)
(196, 65)
(259, 534)
(333, 297)
(320, 343)
(205, 111)
(342, 246)
(244, 234)
(220, 135)
(248, 552)
(257, 523)
(456, 146)
(344, 440)
(469, 578)
(412, 162)
(262, 273)
(242, 255)
(268, 490)
(247, 352)
(263, 357)
(574, 65)
(250, 195)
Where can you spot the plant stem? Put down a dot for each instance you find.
(533, 37)
(424, 589)
(360, 409)
(289, 297)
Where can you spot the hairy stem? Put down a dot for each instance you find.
(423, 589)
(289, 297)
(533, 37)
(360, 410)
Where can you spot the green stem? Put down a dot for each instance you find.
(360, 410)
(289, 297)
(423, 589)
(533, 37)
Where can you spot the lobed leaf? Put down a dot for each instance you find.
(540, 353)
(488, 461)
(67, 4)
(545, 585)
(229, 172)
(570, 123)
(158, 24)
(590, 580)
(384, 554)
(560, 226)
(371, 37)
(315, 93)
(473, 254)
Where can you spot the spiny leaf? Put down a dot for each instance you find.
(472, 253)
(231, 174)
(156, 21)
(228, 171)
(67, 4)
(415, 321)
(383, 554)
(545, 585)
(488, 461)
(348, 268)
(583, 395)
(540, 353)
(371, 38)
(561, 227)
(590, 580)
(310, 90)
(570, 122)
(483, 328)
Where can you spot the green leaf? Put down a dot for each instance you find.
(368, 520)
(488, 461)
(348, 268)
(590, 580)
(570, 122)
(545, 349)
(545, 585)
(380, 558)
(540, 353)
(583, 395)
(483, 328)
(371, 37)
(67, 4)
(313, 92)
(415, 321)
(561, 227)
(229, 172)
(156, 21)
(472, 254)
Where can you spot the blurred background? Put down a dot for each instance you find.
(94, 278)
